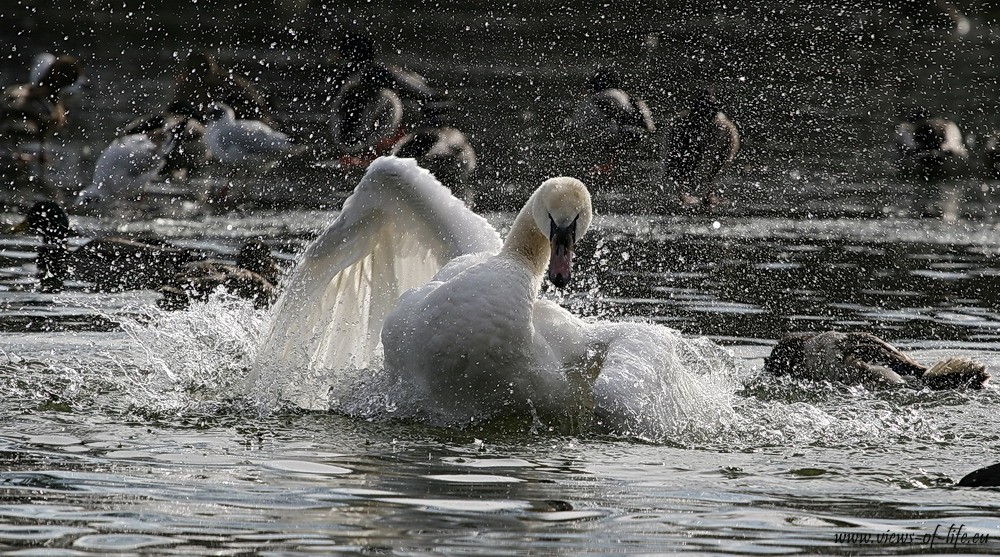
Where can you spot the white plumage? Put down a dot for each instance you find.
(239, 142)
(124, 168)
(409, 305)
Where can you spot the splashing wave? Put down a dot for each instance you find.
(655, 385)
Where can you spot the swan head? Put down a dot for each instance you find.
(562, 211)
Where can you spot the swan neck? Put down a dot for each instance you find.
(526, 242)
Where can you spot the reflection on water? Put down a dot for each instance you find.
(125, 429)
(300, 485)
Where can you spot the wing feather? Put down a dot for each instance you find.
(398, 228)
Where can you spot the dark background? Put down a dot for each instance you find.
(843, 72)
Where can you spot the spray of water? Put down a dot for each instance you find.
(655, 384)
(182, 360)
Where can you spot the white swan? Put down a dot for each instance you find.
(410, 305)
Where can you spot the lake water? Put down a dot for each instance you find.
(124, 428)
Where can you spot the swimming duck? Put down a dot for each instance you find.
(254, 277)
(440, 148)
(610, 122)
(375, 104)
(202, 81)
(929, 147)
(109, 264)
(128, 164)
(697, 145)
(243, 142)
(865, 358)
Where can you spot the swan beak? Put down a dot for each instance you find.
(561, 259)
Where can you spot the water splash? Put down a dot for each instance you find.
(656, 385)
(182, 360)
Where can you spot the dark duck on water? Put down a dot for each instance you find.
(109, 264)
(929, 147)
(33, 111)
(254, 277)
(376, 104)
(865, 358)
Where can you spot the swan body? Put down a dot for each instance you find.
(409, 305)
(238, 142)
(473, 322)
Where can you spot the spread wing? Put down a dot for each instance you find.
(397, 229)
